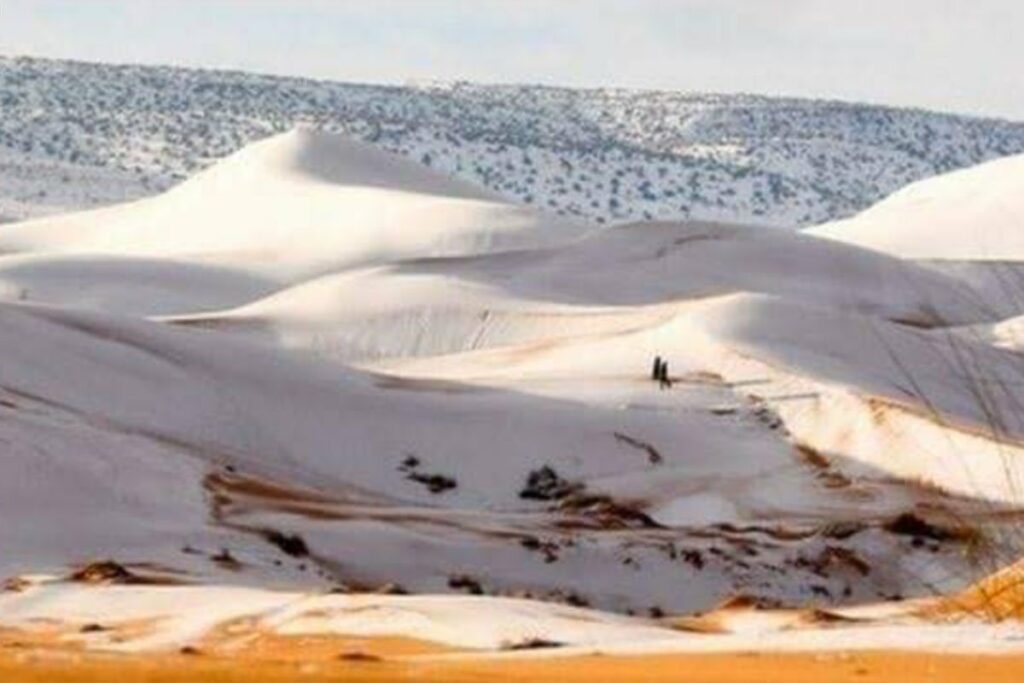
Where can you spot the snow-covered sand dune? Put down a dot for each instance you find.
(316, 366)
(445, 305)
(973, 214)
(295, 205)
(475, 625)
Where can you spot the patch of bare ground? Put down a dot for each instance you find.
(695, 624)
(229, 493)
(231, 484)
(15, 584)
(530, 644)
(225, 560)
(825, 473)
(882, 408)
(41, 659)
(247, 637)
(654, 457)
(111, 572)
(71, 637)
(823, 617)
(604, 512)
(743, 602)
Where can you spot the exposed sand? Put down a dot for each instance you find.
(40, 659)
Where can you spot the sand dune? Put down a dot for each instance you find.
(317, 367)
(973, 214)
(299, 204)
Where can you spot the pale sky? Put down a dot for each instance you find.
(952, 55)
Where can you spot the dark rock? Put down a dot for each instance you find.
(435, 483)
(289, 544)
(909, 524)
(225, 559)
(466, 583)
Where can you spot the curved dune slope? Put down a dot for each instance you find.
(336, 445)
(657, 262)
(613, 281)
(973, 214)
(297, 204)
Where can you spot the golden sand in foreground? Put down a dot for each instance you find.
(359, 660)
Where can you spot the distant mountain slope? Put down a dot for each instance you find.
(610, 155)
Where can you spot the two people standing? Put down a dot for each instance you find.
(659, 373)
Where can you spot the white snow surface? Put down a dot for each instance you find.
(973, 214)
(336, 368)
(484, 626)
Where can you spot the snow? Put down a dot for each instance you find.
(292, 213)
(925, 406)
(313, 341)
(429, 307)
(130, 285)
(76, 135)
(185, 615)
(972, 214)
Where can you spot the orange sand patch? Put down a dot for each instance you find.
(864, 667)
(245, 637)
(276, 659)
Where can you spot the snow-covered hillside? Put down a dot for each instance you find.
(73, 135)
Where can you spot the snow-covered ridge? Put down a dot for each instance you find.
(296, 204)
(74, 135)
(972, 214)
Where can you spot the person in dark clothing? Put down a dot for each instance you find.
(656, 371)
(659, 373)
(663, 380)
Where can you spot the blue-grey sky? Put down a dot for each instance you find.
(954, 55)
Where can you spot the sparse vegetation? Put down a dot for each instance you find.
(545, 484)
(606, 155)
(435, 483)
(226, 560)
(104, 571)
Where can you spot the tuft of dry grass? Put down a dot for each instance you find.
(999, 597)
